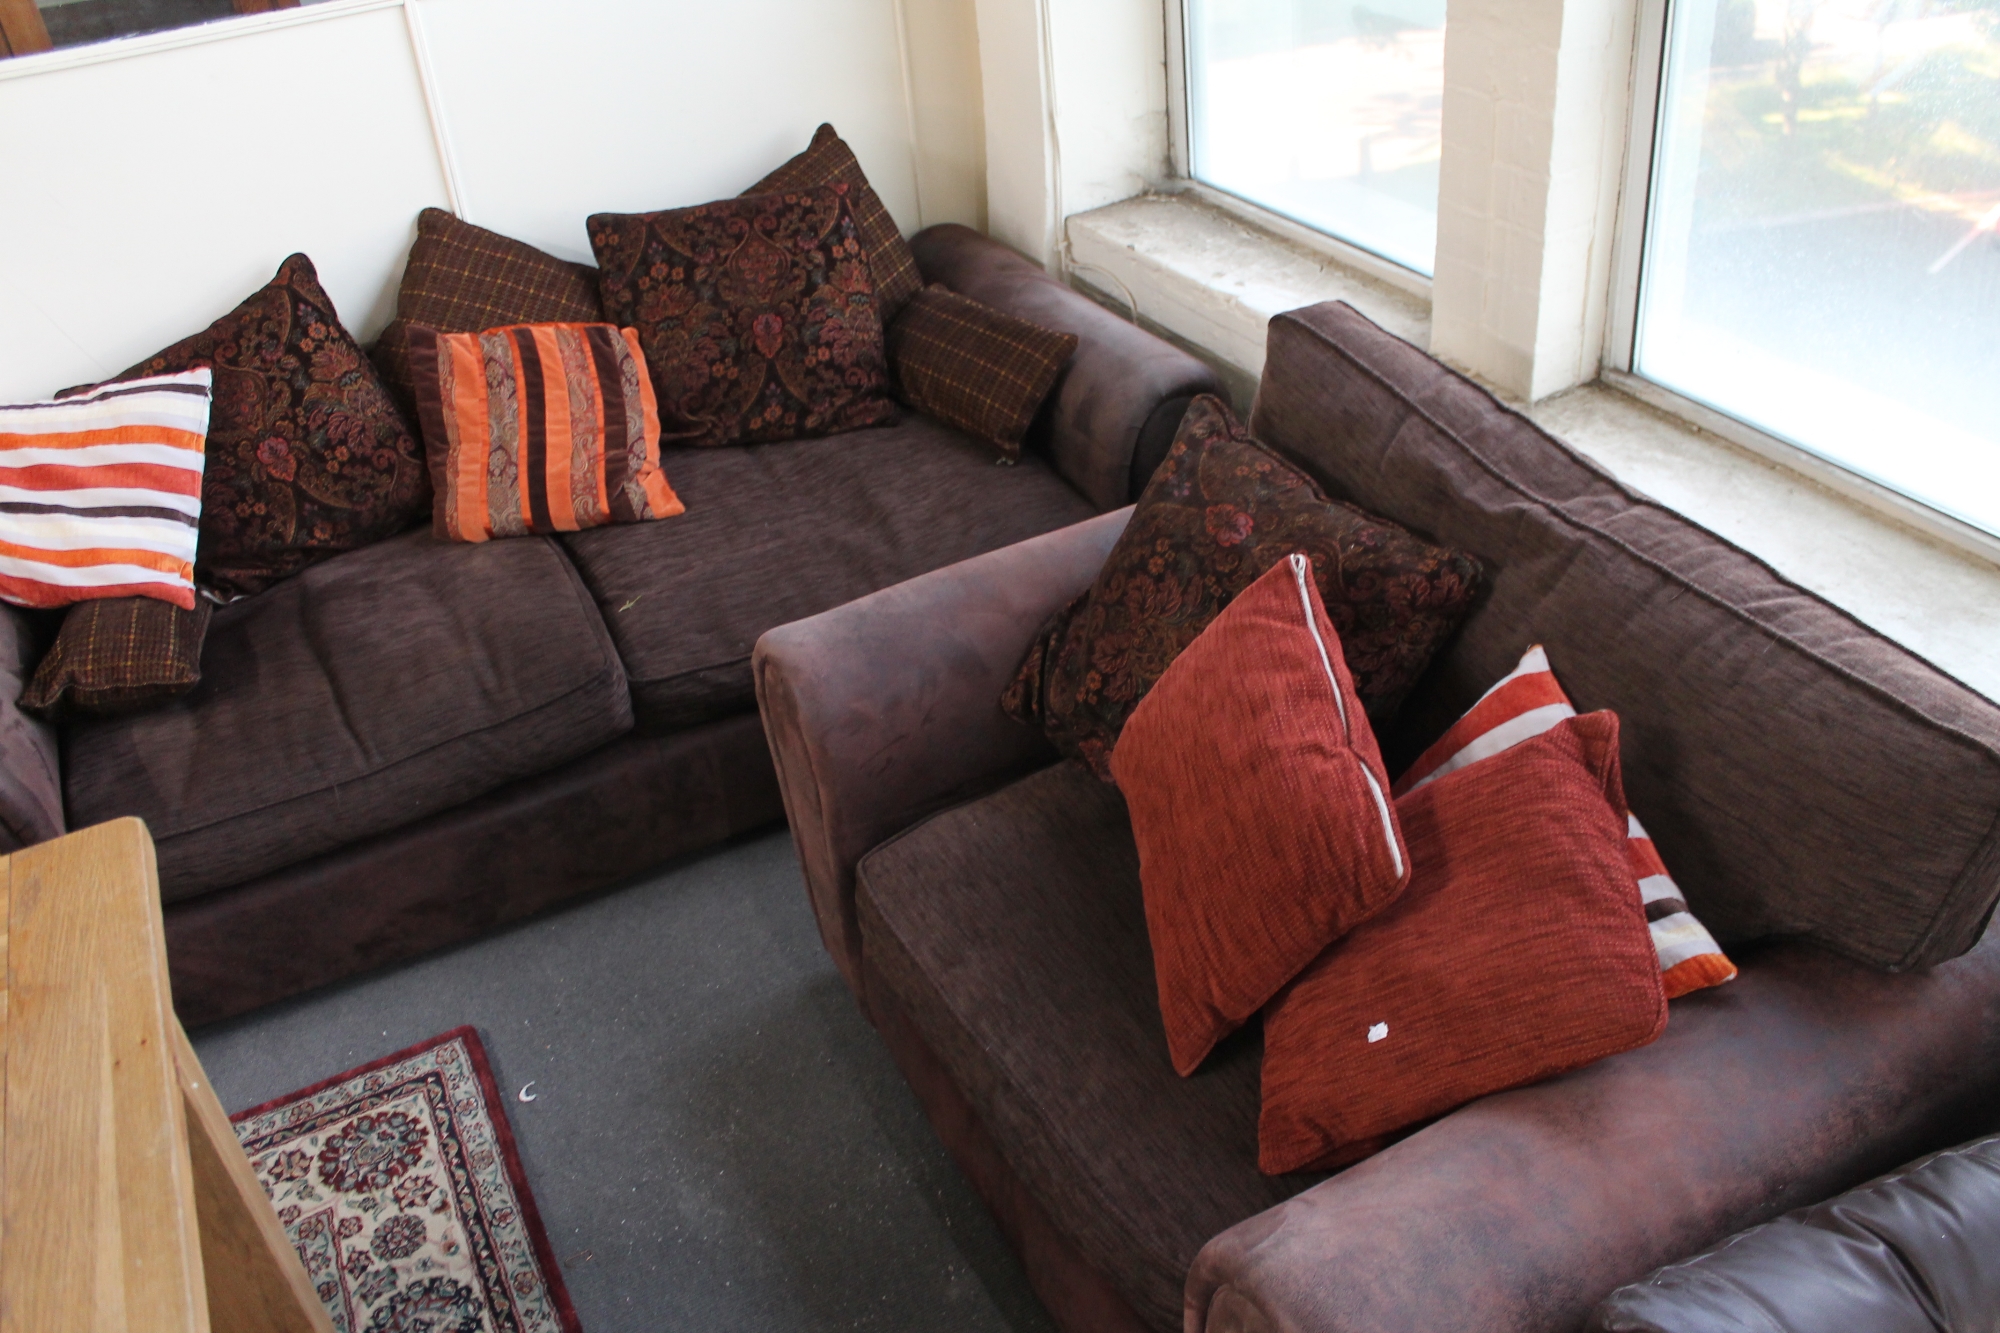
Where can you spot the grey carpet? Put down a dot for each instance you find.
(718, 1139)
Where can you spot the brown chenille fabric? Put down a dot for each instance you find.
(1749, 704)
(974, 367)
(466, 279)
(829, 161)
(1520, 951)
(1220, 511)
(370, 691)
(119, 655)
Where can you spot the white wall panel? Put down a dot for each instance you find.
(149, 185)
(142, 197)
(557, 112)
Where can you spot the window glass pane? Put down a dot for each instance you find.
(1324, 110)
(1822, 258)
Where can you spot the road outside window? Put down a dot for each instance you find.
(1324, 111)
(1823, 251)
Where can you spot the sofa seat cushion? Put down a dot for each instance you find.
(366, 692)
(777, 532)
(1012, 932)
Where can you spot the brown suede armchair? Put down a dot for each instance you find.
(1828, 803)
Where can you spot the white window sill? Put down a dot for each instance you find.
(1212, 280)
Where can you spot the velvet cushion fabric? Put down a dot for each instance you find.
(974, 367)
(827, 160)
(1524, 703)
(460, 279)
(1220, 511)
(119, 655)
(1260, 809)
(758, 315)
(538, 428)
(307, 457)
(1519, 951)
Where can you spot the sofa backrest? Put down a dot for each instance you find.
(1801, 774)
(31, 800)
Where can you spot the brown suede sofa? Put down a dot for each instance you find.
(1827, 801)
(418, 741)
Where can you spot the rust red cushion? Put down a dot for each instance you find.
(757, 315)
(1519, 950)
(1260, 808)
(1220, 511)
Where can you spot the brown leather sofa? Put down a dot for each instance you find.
(421, 740)
(1828, 803)
(1910, 1252)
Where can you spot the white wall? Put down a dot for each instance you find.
(1093, 96)
(149, 185)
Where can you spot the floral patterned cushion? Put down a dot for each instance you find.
(307, 457)
(757, 315)
(1219, 512)
(829, 161)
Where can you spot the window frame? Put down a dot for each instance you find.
(1621, 328)
(1182, 181)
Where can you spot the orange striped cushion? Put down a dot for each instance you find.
(100, 494)
(537, 428)
(1527, 702)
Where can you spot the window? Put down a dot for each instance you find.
(1325, 111)
(28, 26)
(1822, 249)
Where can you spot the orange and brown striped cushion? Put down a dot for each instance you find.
(538, 428)
(829, 161)
(461, 279)
(974, 367)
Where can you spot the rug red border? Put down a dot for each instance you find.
(503, 1131)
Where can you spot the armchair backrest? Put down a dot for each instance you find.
(1801, 774)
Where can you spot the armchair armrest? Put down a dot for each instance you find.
(1122, 398)
(1523, 1210)
(888, 708)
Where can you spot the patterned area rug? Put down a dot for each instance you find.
(399, 1183)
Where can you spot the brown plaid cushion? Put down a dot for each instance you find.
(118, 655)
(974, 367)
(829, 161)
(466, 279)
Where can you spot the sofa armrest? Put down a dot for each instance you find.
(888, 708)
(1523, 1210)
(31, 796)
(1123, 386)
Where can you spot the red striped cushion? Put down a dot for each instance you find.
(100, 493)
(1525, 703)
(537, 428)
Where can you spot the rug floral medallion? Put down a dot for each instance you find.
(400, 1185)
